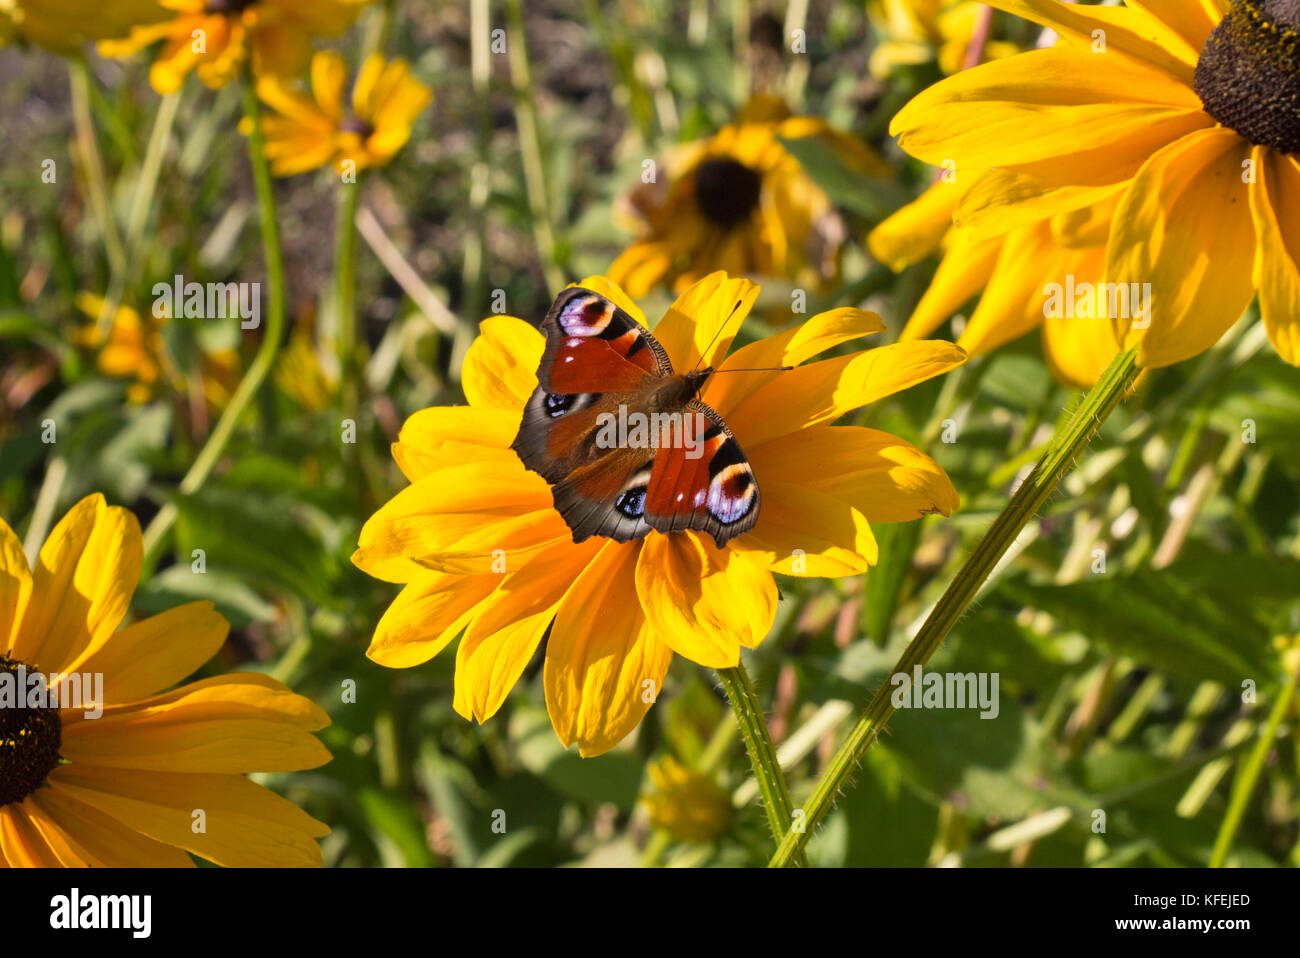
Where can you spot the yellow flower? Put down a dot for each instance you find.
(131, 785)
(64, 25)
(1184, 117)
(689, 806)
(301, 373)
(134, 349)
(306, 132)
(1013, 269)
(740, 202)
(216, 37)
(480, 548)
(913, 32)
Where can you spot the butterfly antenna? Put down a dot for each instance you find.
(723, 325)
(755, 369)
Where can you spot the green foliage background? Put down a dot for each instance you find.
(1121, 672)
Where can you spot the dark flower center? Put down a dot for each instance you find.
(726, 191)
(29, 737)
(354, 124)
(1248, 75)
(228, 6)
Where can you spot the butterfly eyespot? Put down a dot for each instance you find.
(557, 404)
(631, 502)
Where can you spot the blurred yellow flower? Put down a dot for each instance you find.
(300, 372)
(1180, 119)
(912, 32)
(689, 806)
(1013, 269)
(308, 131)
(479, 547)
(741, 203)
(216, 37)
(64, 25)
(109, 768)
(134, 349)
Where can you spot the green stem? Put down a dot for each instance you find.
(93, 165)
(1027, 500)
(758, 743)
(137, 216)
(266, 352)
(345, 295)
(530, 147)
(1244, 784)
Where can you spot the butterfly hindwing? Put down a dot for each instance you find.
(703, 482)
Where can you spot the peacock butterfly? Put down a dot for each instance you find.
(623, 440)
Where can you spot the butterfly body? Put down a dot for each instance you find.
(623, 439)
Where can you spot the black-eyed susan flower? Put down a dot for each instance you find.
(480, 549)
(1017, 270)
(912, 32)
(133, 349)
(1184, 116)
(739, 202)
(215, 38)
(690, 806)
(64, 25)
(143, 771)
(307, 131)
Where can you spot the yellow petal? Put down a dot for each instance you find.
(1013, 301)
(245, 825)
(1184, 227)
(82, 585)
(1003, 200)
(15, 584)
(1275, 200)
(802, 532)
(822, 391)
(701, 324)
(460, 519)
(232, 723)
(367, 77)
(101, 839)
(1051, 104)
(501, 364)
(641, 267)
(155, 653)
(605, 664)
(444, 436)
(426, 615)
(789, 348)
(329, 74)
(915, 231)
(24, 846)
(1126, 31)
(883, 477)
(966, 267)
(503, 636)
(1190, 21)
(704, 601)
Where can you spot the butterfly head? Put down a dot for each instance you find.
(696, 379)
